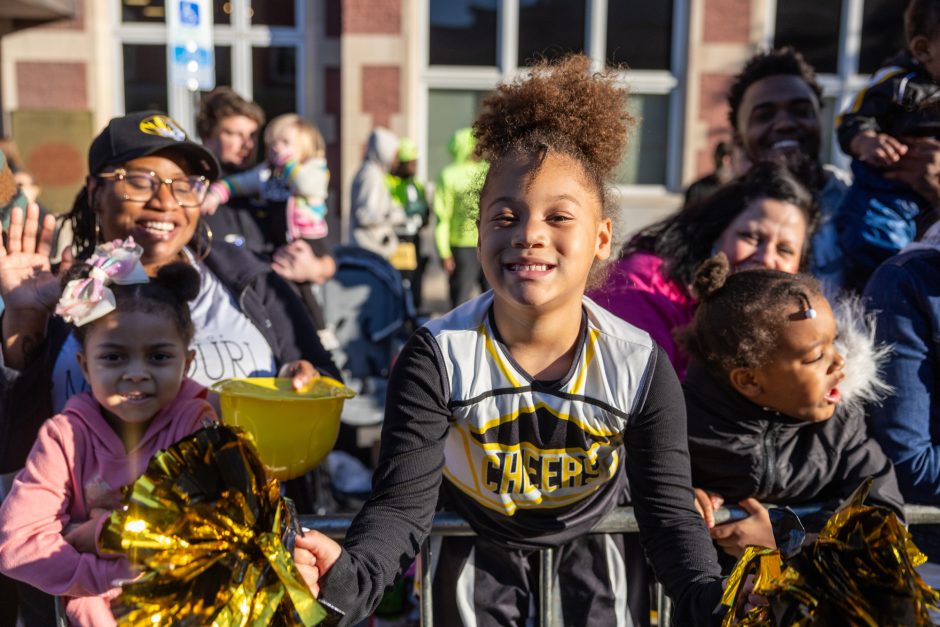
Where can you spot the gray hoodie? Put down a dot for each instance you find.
(374, 214)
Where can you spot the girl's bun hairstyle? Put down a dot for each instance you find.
(180, 278)
(563, 107)
(168, 293)
(740, 316)
(711, 276)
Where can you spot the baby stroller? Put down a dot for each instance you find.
(370, 314)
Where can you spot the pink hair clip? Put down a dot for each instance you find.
(86, 300)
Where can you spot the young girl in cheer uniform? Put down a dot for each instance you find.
(134, 335)
(529, 409)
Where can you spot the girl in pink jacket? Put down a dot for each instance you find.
(134, 334)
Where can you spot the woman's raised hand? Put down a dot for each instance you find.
(26, 279)
(27, 285)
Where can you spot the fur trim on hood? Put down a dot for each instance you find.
(864, 360)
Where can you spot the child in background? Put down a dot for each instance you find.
(295, 172)
(772, 413)
(134, 335)
(880, 216)
(529, 408)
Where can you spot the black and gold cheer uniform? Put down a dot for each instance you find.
(529, 464)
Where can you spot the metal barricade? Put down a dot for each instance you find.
(620, 520)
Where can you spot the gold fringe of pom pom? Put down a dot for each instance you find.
(210, 535)
(859, 571)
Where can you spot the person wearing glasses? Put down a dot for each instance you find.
(147, 181)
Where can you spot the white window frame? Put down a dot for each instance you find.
(641, 82)
(240, 35)
(847, 81)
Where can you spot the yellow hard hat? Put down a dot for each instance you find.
(293, 430)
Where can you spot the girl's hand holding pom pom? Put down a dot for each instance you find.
(315, 554)
(749, 600)
(83, 537)
(306, 563)
(706, 503)
(755, 529)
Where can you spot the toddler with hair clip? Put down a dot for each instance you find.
(134, 334)
(775, 413)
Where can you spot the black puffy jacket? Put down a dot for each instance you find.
(739, 450)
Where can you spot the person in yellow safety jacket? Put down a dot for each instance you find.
(455, 207)
(409, 194)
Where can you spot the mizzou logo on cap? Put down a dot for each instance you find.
(162, 126)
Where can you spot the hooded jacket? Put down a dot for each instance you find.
(77, 464)
(374, 214)
(455, 200)
(639, 291)
(264, 297)
(905, 293)
(739, 449)
(896, 101)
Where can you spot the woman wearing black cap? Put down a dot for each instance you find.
(147, 181)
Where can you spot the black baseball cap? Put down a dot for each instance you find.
(143, 133)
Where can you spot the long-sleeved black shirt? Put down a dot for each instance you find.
(742, 450)
(421, 410)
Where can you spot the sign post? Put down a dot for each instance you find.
(190, 46)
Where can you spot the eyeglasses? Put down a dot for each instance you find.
(188, 191)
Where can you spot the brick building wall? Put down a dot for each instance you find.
(373, 78)
(48, 103)
(372, 17)
(723, 34)
(381, 93)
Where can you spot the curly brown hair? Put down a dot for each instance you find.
(741, 316)
(566, 108)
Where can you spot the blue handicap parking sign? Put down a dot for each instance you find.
(189, 13)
